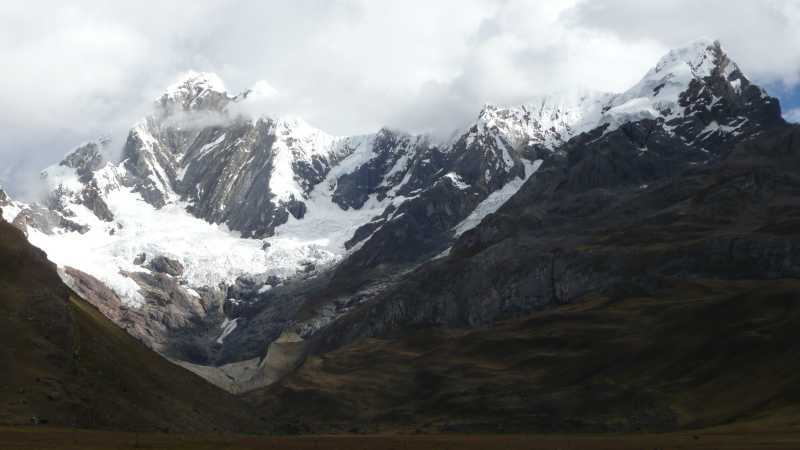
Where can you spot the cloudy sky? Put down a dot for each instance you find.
(77, 70)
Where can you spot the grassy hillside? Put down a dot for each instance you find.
(692, 355)
(63, 363)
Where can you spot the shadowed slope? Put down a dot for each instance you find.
(690, 355)
(63, 363)
(672, 304)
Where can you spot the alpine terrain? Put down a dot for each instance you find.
(583, 262)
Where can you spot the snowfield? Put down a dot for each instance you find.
(496, 199)
(210, 253)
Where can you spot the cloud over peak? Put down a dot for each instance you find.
(76, 71)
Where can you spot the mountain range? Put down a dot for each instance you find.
(504, 278)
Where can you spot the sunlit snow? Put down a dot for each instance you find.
(210, 253)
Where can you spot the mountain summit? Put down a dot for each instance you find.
(195, 91)
(701, 94)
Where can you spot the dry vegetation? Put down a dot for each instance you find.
(696, 355)
(56, 439)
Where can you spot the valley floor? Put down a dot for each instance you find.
(26, 438)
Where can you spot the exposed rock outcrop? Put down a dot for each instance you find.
(165, 265)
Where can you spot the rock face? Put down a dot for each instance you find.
(86, 159)
(254, 175)
(162, 264)
(45, 220)
(9, 209)
(81, 178)
(260, 192)
(168, 308)
(603, 220)
(140, 259)
(271, 225)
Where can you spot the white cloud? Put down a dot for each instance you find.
(762, 36)
(793, 115)
(74, 71)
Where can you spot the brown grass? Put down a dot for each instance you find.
(65, 439)
(699, 354)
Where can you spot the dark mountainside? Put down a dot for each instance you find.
(616, 180)
(689, 355)
(63, 364)
(643, 281)
(674, 305)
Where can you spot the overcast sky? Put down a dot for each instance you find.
(75, 70)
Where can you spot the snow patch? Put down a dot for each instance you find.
(210, 253)
(496, 199)
(227, 328)
(326, 226)
(210, 146)
(265, 288)
(456, 180)
(10, 211)
(295, 140)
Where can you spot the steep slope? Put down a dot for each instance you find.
(557, 241)
(581, 186)
(680, 235)
(64, 364)
(686, 355)
(696, 99)
(623, 205)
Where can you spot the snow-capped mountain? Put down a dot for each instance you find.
(216, 233)
(230, 200)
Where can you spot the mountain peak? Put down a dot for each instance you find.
(195, 90)
(296, 130)
(192, 81)
(546, 120)
(658, 93)
(88, 156)
(700, 58)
